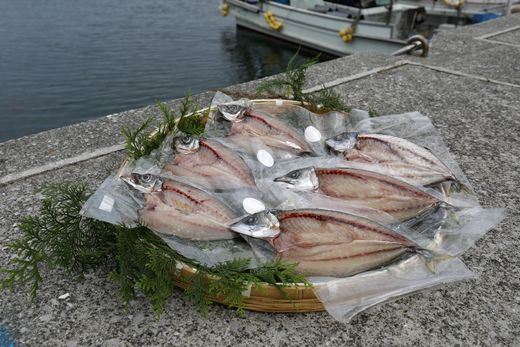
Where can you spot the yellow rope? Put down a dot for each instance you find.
(272, 21)
(224, 9)
(347, 34)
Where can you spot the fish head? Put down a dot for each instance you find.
(342, 142)
(146, 183)
(301, 179)
(234, 111)
(259, 225)
(185, 144)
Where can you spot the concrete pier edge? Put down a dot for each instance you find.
(469, 87)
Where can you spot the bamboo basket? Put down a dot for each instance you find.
(265, 297)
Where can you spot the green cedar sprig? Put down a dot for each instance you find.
(58, 236)
(372, 112)
(291, 86)
(144, 139)
(324, 101)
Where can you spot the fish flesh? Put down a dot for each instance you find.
(267, 130)
(414, 175)
(396, 156)
(175, 208)
(208, 163)
(326, 243)
(364, 188)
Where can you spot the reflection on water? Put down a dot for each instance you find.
(65, 61)
(256, 55)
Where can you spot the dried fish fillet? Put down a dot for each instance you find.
(364, 188)
(326, 243)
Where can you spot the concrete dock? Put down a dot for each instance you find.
(469, 86)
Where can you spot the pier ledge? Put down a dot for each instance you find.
(469, 86)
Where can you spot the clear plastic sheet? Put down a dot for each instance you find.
(415, 127)
(311, 127)
(346, 297)
(282, 197)
(115, 202)
(448, 229)
(441, 235)
(112, 203)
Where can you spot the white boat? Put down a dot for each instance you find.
(344, 31)
(382, 26)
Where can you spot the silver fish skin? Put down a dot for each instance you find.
(260, 225)
(210, 164)
(185, 211)
(330, 243)
(377, 148)
(144, 183)
(271, 131)
(364, 188)
(185, 144)
(234, 111)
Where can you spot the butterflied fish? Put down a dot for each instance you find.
(174, 208)
(364, 188)
(209, 163)
(396, 157)
(271, 132)
(326, 243)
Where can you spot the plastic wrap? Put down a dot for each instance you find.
(311, 128)
(117, 203)
(447, 229)
(240, 171)
(415, 127)
(346, 297)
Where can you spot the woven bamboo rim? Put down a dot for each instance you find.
(264, 297)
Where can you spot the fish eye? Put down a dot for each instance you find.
(251, 220)
(146, 178)
(232, 108)
(294, 174)
(186, 140)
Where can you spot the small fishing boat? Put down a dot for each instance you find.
(343, 27)
(342, 31)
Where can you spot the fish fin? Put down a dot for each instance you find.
(449, 186)
(450, 214)
(430, 221)
(444, 186)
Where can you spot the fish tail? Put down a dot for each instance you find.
(450, 214)
(429, 223)
(431, 258)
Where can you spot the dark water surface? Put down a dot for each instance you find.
(65, 61)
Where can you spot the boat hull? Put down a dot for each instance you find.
(318, 31)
